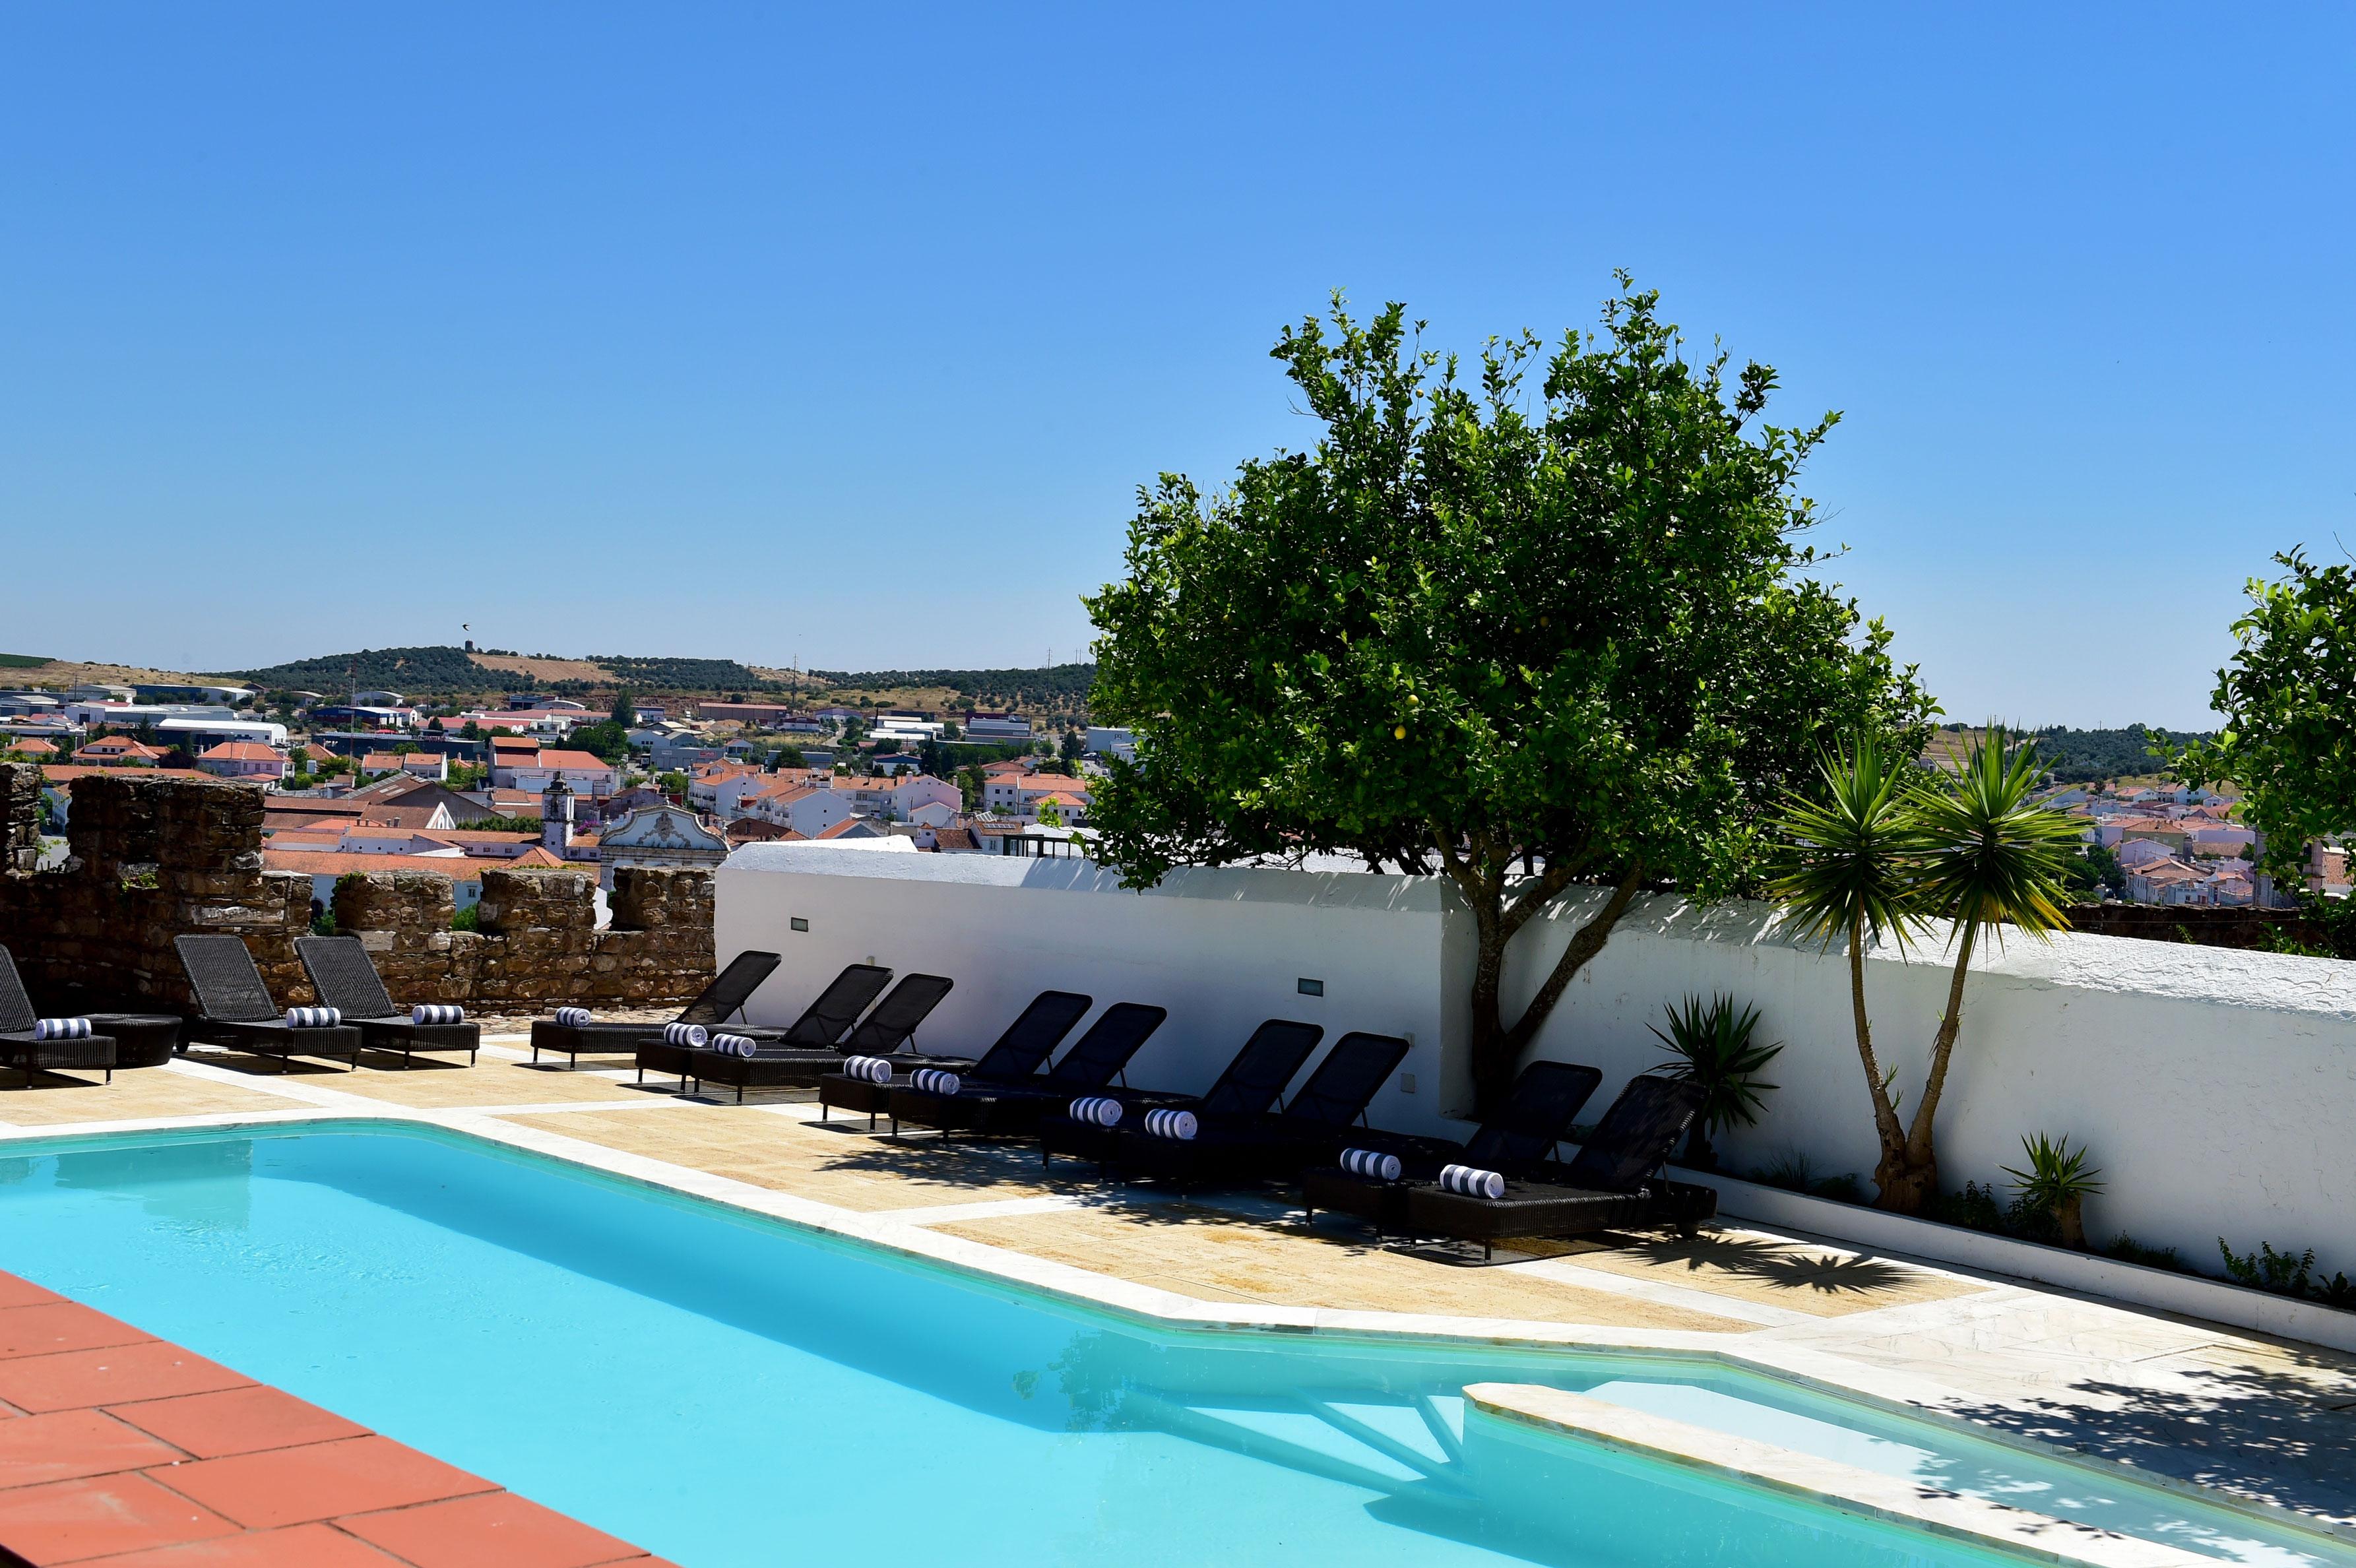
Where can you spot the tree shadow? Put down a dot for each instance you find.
(2280, 1428)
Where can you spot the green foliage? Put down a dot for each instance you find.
(675, 784)
(2091, 756)
(323, 923)
(682, 674)
(1711, 1046)
(1975, 1208)
(2092, 872)
(2285, 697)
(468, 919)
(406, 670)
(2126, 1249)
(1793, 1172)
(1472, 630)
(605, 740)
(23, 661)
(503, 824)
(2056, 1174)
(624, 710)
(1056, 686)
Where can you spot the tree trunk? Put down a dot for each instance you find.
(1497, 1047)
(1897, 1185)
(1908, 1176)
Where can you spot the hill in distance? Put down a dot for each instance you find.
(2084, 756)
(453, 672)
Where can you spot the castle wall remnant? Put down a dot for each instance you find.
(153, 857)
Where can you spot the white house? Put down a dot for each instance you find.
(894, 798)
(1018, 795)
(245, 760)
(789, 802)
(584, 772)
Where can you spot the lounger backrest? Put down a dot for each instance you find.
(1033, 1038)
(344, 976)
(1106, 1049)
(1534, 1117)
(838, 1007)
(230, 988)
(1338, 1092)
(1256, 1076)
(16, 1013)
(731, 988)
(1635, 1137)
(895, 1017)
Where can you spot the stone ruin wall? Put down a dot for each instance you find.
(151, 857)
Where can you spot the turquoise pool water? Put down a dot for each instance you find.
(725, 1391)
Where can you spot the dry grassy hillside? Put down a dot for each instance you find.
(547, 670)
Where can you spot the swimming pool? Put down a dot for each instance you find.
(726, 1390)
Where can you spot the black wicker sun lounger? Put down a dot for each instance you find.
(21, 1049)
(713, 1006)
(790, 1063)
(1252, 1081)
(1519, 1142)
(1613, 1184)
(1017, 1054)
(1308, 1131)
(235, 1010)
(1014, 1109)
(345, 976)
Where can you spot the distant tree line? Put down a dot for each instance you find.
(2085, 756)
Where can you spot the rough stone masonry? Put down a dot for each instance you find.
(152, 858)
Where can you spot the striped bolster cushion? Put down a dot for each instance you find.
(573, 1017)
(933, 1081)
(1169, 1124)
(694, 1035)
(868, 1069)
(734, 1044)
(61, 1028)
(1102, 1109)
(1370, 1163)
(1468, 1182)
(313, 1018)
(437, 1013)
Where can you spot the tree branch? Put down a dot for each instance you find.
(1584, 944)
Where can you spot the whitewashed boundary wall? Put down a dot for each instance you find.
(2216, 1089)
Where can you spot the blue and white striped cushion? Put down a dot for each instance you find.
(1168, 1124)
(1466, 1181)
(61, 1028)
(1371, 1163)
(933, 1081)
(694, 1035)
(1102, 1109)
(869, 1069)
(734, 1044)
(437, 1013)
(574, 1018)
(313, 1018)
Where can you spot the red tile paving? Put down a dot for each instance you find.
(119, 1450)
(237, 1421)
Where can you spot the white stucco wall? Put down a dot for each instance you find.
(2216, 1090)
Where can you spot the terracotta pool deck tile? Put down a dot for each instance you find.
(14, 1292)
(56, 1325)
(71, 1444)
(80, 1380)
(237, 1421)
(500, 1530)
(320, 1481)
(67, 1522)
(299, 1546)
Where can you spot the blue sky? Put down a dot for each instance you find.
(845, 336)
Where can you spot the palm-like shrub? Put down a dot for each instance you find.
(1711, 1046)
(2057, 1182)
(1882, 848)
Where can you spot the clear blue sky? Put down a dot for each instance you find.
(846, 335)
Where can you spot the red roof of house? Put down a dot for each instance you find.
(537, 857)
(240, 751)
(571, 759)
(32, 746)
(457, 868)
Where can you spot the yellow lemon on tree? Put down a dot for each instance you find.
(1398, 732)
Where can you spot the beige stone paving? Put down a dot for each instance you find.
(445, 1085)
(135, 1095)
(1819, 1281)
(1200, 1253)
(850, 1170)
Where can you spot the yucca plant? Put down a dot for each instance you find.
(1877, 852)
(1710, 1045)
(1990, 859)
(1846, 872)
(2057, 1182)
